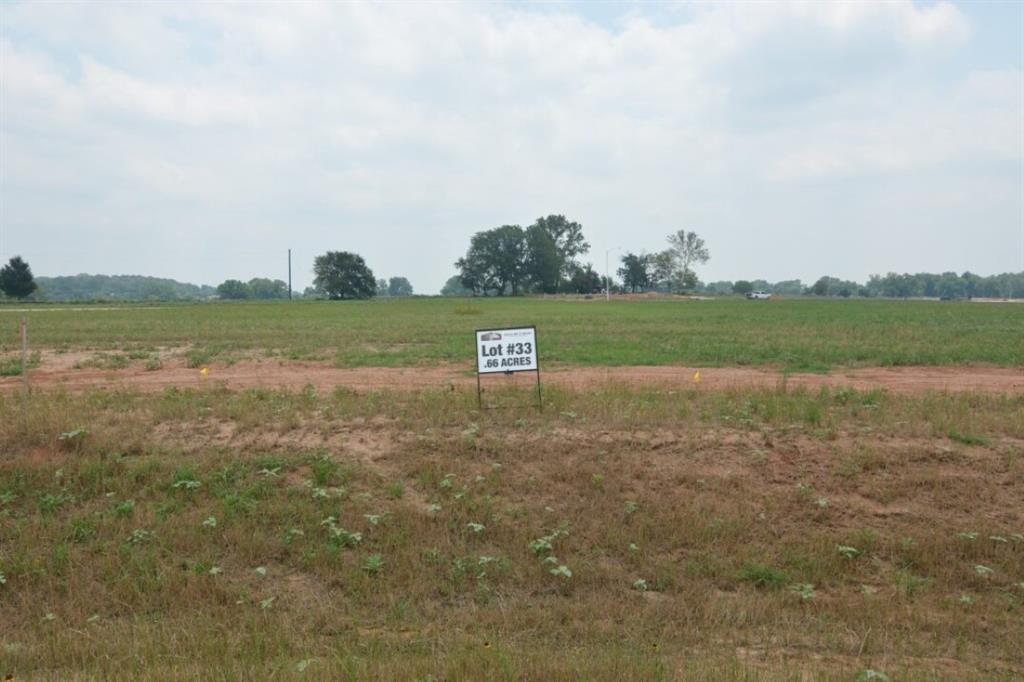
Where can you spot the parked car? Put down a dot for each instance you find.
(760, 295)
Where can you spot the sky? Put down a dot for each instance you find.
(200, 141)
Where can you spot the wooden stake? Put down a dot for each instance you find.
(24, 354)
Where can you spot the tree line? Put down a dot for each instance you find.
(946, 285)
(544, 258)
(510, 260)
(19, 283)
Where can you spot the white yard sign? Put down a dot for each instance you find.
(506, 350)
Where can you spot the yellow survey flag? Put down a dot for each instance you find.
(204, 371)
(696, 377)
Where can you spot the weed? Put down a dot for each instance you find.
(562, 571)
(73, 439)
(848, 552)
(339, 536)
(290, 535)
(139, 536)
(49, 503)
(124, 508)
(909, 584)
(763, 576)
(803, 590)
(967, 438)
(374, 564)
(395, 490)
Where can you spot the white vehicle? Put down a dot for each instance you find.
(759, 295)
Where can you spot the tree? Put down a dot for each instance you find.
(266, 289)
(820, 288)
(661, 267)
(568, 240)
(234, 289)
(342, 275)
(635, 272)
(687, 250)
(543, 262)
(742, 287)
(382, 287)
(453, 287)
(399, 286)
(495, 261)
(16, 278)
(585, 280)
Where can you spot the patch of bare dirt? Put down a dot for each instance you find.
(56, 371)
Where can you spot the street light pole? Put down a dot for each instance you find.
(607, 277)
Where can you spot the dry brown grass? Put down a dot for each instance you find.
(726, 505)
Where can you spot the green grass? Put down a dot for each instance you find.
(794, 335)
(406, 535)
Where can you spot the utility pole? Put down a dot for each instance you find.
(289, 274)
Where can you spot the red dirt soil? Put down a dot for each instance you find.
(293, 374)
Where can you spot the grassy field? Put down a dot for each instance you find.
(624, 533)
(619, 535)
(788, 334)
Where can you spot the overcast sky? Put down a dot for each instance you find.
(200, 141)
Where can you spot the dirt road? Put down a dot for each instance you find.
(57, 371)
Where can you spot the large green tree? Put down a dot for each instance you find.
(341, 275)
(567, 236)
(495, 261)
(16, 278)
(543, 262)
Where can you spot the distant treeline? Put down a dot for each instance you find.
(118, 288)
(893, 285)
